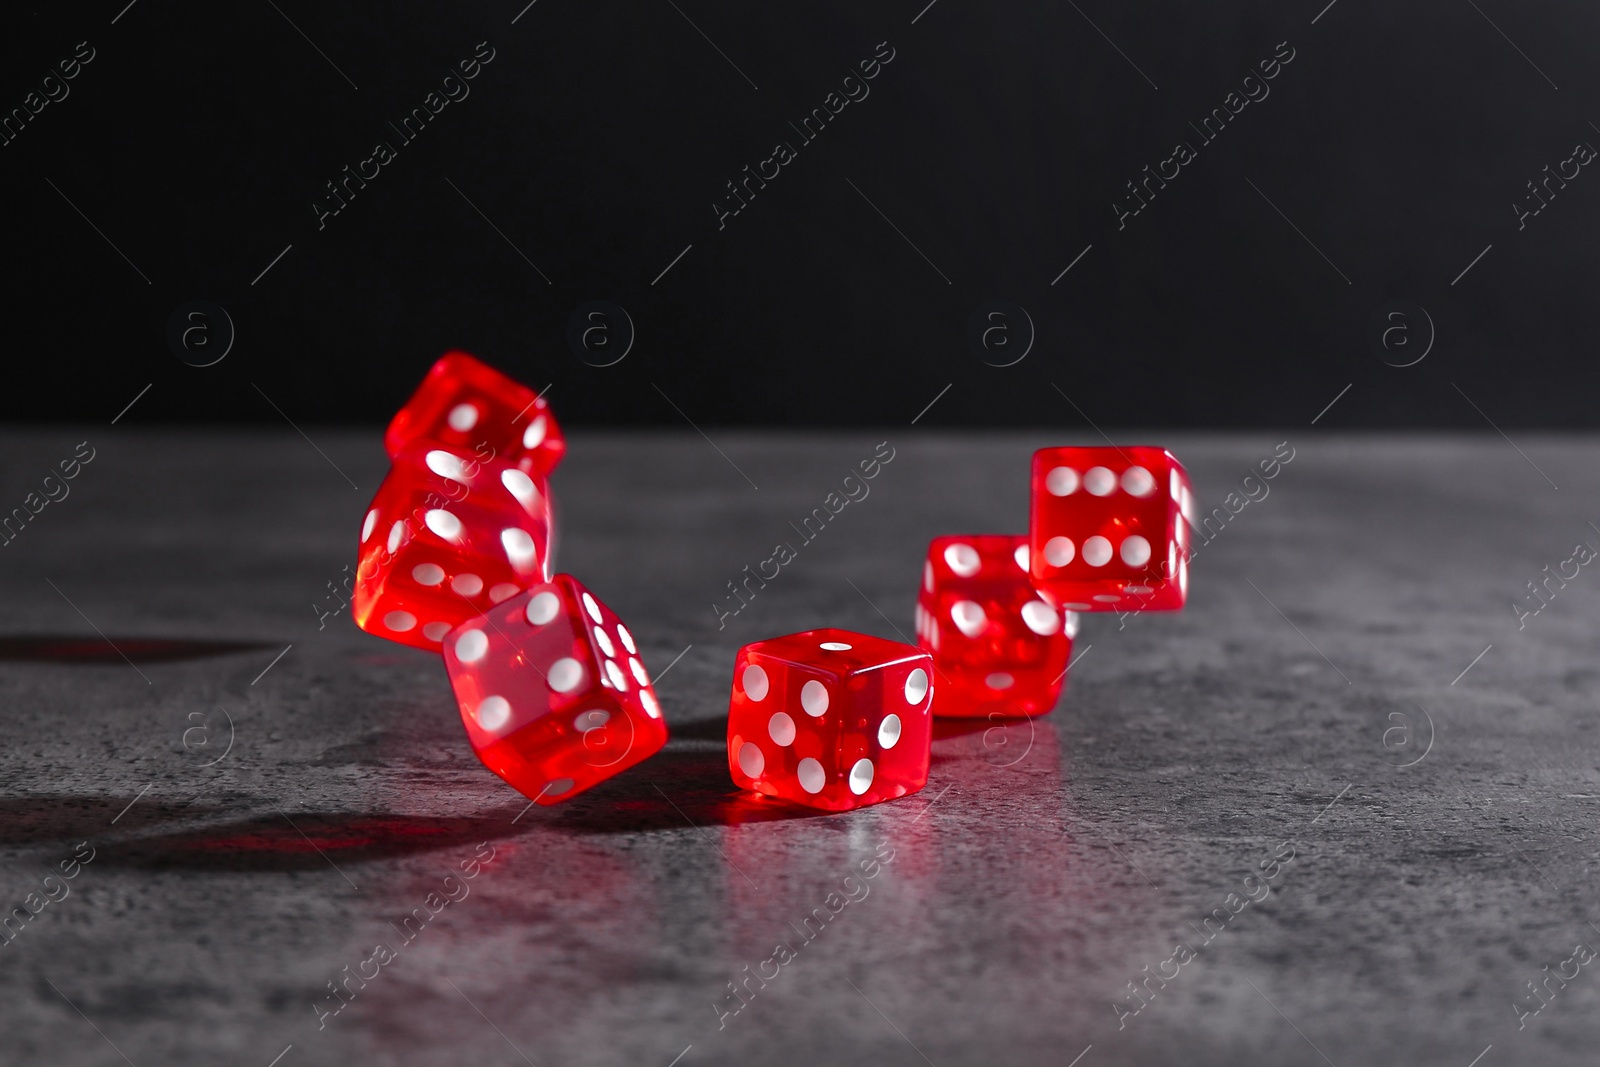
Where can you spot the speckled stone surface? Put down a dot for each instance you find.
(1045, 867)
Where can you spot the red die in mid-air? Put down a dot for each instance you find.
(447, 537)
(830, 719)
(469, 404)
(552, 691)
(1106, 528)
(998, 648)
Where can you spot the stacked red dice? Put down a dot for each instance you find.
(998, 648)
(830, 719)
(464, 518)
(456, 556)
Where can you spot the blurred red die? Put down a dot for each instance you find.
(468, 404)
(998, 648)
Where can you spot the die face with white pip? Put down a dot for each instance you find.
(999, 649)
(465, 403)
(1106, 529)
(553, 694)
(446, 537)
(830, 719)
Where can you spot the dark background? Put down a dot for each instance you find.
(996, 142)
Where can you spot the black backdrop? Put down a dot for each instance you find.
(584, 163)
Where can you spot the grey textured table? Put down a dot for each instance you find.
(236, 873)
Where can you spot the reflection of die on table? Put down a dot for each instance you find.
(998, 648)
(1107, 528)
(830, 719)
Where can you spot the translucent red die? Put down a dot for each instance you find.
(447, 536)
(830, 719)
(998, 648)
(468, 404)
(552, 691)
(1106, 528)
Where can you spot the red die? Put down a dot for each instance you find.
(469, 404)
(552, 691)
(997, 647)
(1106, 529)
(448, 536)
(830, 719)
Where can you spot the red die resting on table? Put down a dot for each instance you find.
(830, 719)
(552, 691)
(469, 404)
(998, 648)
(447, 537)
(1106, 528)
